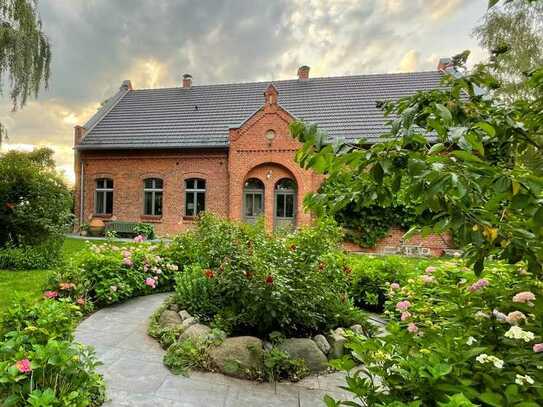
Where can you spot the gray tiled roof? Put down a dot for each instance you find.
(342, 106)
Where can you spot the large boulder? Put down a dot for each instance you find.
(188, 322)
(307, 350)
(322, 343)
(195, 333)
(184, 314)
(169, 319)
(239, 356)
(337, 341)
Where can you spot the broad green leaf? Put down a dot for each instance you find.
(465, 156)
(494, 399)
(444, 112)
(487, 128)
(437, 148)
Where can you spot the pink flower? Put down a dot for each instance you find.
(23, 366)
(127, 262)
(126, 253)
(50, 294)
(478, 285)
(403, 305)
(412, 328)
(66, 286)
(513, 318)
(405, 315)
(538, 347)
(394, 286)
(269, 280)
(524, 297)
(151, 282)
(430, 269)
(139, 238)
(80, 301)
(426, 279)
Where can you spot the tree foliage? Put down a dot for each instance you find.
(34, 201)
(25, 51)
(513, 35)
(462, 154)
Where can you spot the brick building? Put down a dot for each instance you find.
(163, 155)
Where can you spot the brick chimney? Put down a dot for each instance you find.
(79, 132)
(303, 73)
(187, 81)
(126, 85)
(444, 64)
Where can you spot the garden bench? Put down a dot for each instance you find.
(122, 228)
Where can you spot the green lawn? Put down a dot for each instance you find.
(30, 283)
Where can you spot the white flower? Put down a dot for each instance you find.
(471, 340)
(500, 316)
(522, 380)
(481, 314)
(516, 332)
(484, 358)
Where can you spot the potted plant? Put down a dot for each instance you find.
(84, 229)
(96, 227)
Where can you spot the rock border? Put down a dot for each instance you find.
(243, 356)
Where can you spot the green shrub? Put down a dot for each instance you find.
(373, 275)
(145, 229)
(279, 366)
(39, 363)
(183, 356)
(106, 274)
(27, 257)
(243, 280)
(455, 340)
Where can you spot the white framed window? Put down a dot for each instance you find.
(103, 197)
(152, 196)
(195, 196)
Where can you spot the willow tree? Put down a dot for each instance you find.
(25, 52)
(512, 32)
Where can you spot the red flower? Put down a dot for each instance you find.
(209, 273)
(269, 280)
(322, 265)
(50, 294)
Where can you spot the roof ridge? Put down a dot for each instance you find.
(263, 82)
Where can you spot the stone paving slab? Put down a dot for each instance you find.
(136, 377)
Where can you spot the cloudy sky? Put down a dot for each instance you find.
(99, 43)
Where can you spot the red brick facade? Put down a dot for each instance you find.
(251, 155)
(260, 148)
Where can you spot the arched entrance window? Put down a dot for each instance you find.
(285, 203)
(253, 199)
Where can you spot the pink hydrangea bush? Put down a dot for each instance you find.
(476, 335)
(107, 273)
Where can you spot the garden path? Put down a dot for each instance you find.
(136, 377)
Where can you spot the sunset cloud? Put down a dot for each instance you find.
(97, 44)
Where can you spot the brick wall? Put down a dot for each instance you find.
(128, 169)
(436, 243)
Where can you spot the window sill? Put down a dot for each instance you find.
(151, 218)
(189, 218)
(102, 215)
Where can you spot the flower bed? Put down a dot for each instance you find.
(456, 339)
(240, 288)
(40, 365)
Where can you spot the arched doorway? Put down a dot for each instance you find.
(285, 204)
(253, 199)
